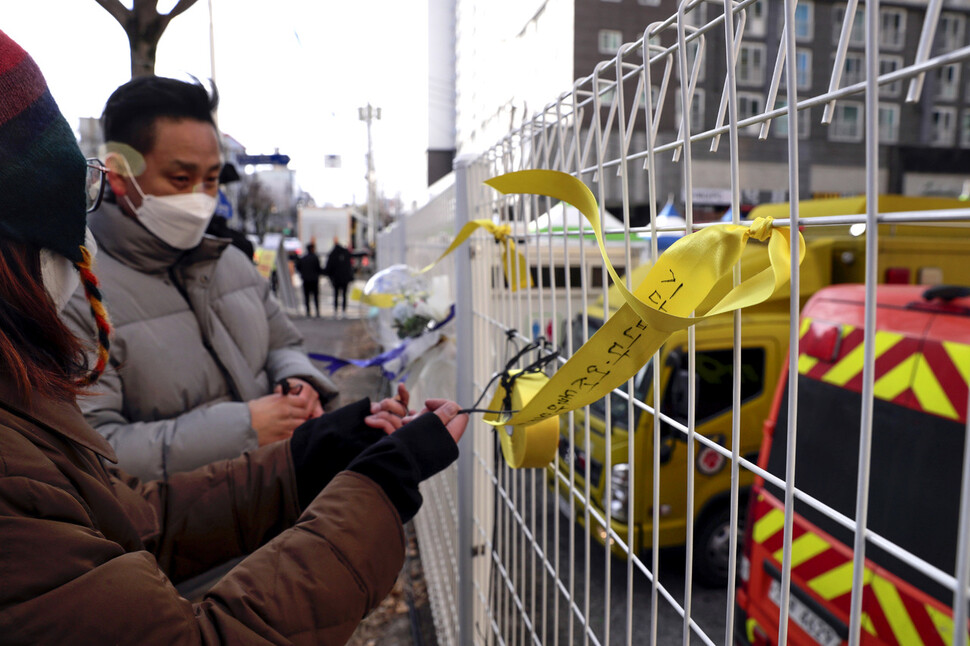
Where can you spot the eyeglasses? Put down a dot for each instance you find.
(94, 187)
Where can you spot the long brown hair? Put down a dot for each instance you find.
(37, 350)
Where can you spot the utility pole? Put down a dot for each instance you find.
(212, 57)
(368, 115)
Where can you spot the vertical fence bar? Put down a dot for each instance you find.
(732, 110)
(465, 394)
(869, 358)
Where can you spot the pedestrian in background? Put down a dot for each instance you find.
(90, 554)
(308, 265)
(206, 364)
(340, 271)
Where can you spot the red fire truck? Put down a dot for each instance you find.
(922, 367)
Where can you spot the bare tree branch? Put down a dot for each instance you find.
(117, 11)
(144, 27)
(180, 8)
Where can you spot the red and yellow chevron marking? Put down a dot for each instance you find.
(931, 378)
(892, 614)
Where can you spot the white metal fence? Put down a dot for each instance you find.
(516, 556)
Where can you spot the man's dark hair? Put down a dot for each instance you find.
(130, 113)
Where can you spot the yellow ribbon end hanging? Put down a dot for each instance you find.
(530, 446)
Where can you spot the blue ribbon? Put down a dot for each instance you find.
(333, 364)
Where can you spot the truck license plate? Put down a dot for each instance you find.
(807, 620)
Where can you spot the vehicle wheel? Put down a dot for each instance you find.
(712, 547)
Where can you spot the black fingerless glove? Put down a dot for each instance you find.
(400, 461)
(324, 446)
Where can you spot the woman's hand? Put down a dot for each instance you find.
(447, 412)
(303, 395)
(388, 414)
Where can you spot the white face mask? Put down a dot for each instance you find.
(177, 220)
(60, 277)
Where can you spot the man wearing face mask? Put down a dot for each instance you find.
(205, 365)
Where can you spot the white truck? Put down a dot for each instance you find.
(321, 224)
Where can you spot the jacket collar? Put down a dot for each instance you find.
(62, 418)
(127, 241)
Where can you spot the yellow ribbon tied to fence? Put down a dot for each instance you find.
(690, 281)
(517, 276)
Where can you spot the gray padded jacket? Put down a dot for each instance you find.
(196, 335)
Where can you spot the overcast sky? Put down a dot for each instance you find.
(291, 75)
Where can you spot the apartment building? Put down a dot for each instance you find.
(511, 61)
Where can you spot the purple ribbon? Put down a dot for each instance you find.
(333, 364)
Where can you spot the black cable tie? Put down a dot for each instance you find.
(486, 410)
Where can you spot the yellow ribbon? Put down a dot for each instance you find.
(690, 276)
(528, 447)
(383, 301)
(517, 276)
(502, 232)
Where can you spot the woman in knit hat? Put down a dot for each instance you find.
(90, 555)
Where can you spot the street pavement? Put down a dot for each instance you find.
(346, 337)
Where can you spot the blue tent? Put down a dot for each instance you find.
(668, 217)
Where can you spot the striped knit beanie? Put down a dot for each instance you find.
(42, 179)
(42, 170)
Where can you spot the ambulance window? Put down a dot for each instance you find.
(594, 324)
(642, 382)
(916, 466)
(714, 369)
(541, 276)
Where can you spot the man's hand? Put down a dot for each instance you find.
(447, 412)
(305, 395)
(274, 417)
(388, 414)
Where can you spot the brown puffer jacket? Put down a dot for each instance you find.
(88, 555)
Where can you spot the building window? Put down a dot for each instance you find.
(780, 124)
(804, 21)
(610, 41)
(751, 64)
(696, 111)
(892, 28)
(654, 96)
(948, 82)
(944, 126)
(750, 104)
(858, 34)
(855, 69)
(888, 64)
(607, 97)
(697, 16)
(846, 122)
(803, 68)
(888, 123)
(950, 31)
(756, 19)
(965, 130)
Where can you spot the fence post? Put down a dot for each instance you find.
(465, 395)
